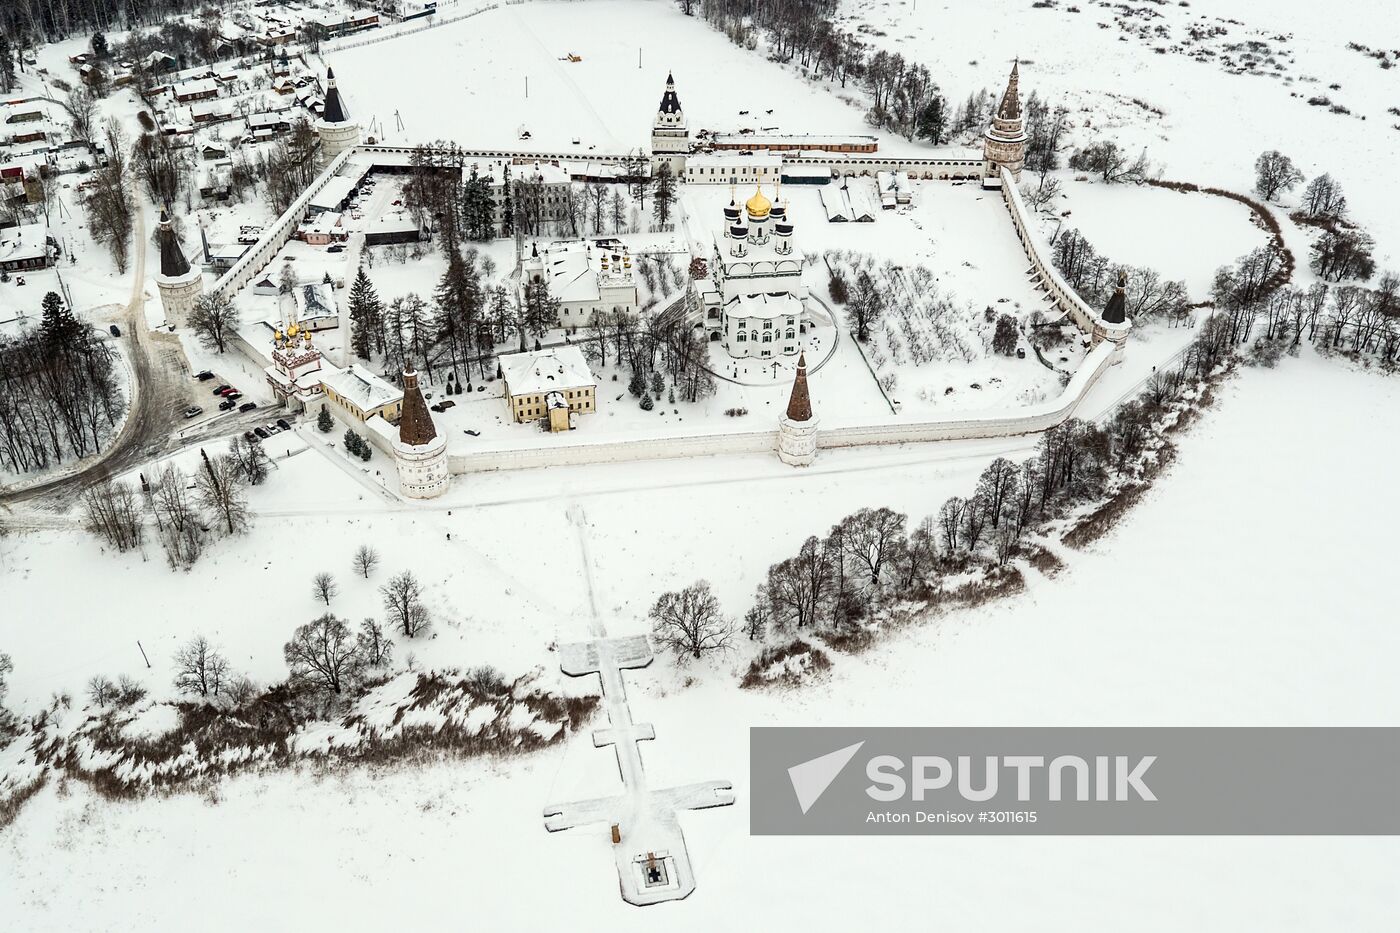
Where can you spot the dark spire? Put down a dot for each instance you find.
(172, 261)
(1116, 310)
(415, 424)
(670, 103)
(333, 111)
(1010, 108)
(800, 404)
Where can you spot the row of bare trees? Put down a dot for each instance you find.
(185, 509)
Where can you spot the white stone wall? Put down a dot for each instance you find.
(1030, 420)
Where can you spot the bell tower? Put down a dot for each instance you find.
(670, 137)
(1004, 143)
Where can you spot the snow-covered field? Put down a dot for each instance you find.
(1251, 586)
(1221, 641)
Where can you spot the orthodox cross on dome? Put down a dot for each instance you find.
(800, 403)
(415, 424)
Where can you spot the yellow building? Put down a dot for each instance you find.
(554, 383)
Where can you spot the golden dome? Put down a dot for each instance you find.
(293, 330)
(758, 205)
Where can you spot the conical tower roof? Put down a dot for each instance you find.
(1010, 108)
(333, 111)
(1116, 311)
(415, 424)
(800, 404)
(670, 103)
(172, 261)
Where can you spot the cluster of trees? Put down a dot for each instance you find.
(59, 391)
(1095, 277)
(327, 656)
(1111, 163)
(186, 509)
(651, 347)
(107, 200)
(357, 446)
(33, 21)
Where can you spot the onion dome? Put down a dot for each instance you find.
(738, 231)
(758, 206)
(731, 211)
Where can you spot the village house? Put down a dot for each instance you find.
(27, 246)
(197, 89)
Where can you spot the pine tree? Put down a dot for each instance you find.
(507, 206)
(638, 384)
(366, 317)
(352, 441)
(7, 63)
(646, 403)
(366, 451)
(658, 385)
(324, 422)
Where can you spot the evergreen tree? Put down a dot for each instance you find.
(58, 326)
(366, 451)
(366, 317)
(663, 195)
(7, 63)
(932, 122)
(646, 403)
(638, 384)
(658, 385)
(507, 205)
(352, 442)
(324, 422)
(459, 301)
(99, 45)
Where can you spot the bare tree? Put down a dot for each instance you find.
(81, 107)
(324, 654)
(213, 319)
(374, 646)
(113, 511)
(690, 622)
(1274, 174)
(221, 495)
(323, 587)
(200, 669)
(366, 558)
(403, 604)
(249, 458)
(101, 690)
(869, 537)
(177, 518)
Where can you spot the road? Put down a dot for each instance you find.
(160, 387)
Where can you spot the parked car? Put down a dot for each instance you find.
(336, 248)
(226, 404)
(204, 376)
(115, 330)
(230, 390)
(247, 406)
(282, 423)
(219, 390)
(272, 428)
(233, 396)
(473, 433)
(260, 432)
(398, 204)
(194, 411)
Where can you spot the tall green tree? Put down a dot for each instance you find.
(366, 317)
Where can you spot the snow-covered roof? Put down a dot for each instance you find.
(361, 386)
(333, 193)
(316, 300)
(557, 368)
(199, 86)
(764, 307)
(724, 161)
(27, 241)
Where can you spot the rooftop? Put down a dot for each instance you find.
(361, 386)
(546, 370)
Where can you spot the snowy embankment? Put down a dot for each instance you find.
(124, 751)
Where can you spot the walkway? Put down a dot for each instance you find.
(648, 845)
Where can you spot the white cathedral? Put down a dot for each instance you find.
(754, 307)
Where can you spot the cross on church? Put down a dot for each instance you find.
(648, 846)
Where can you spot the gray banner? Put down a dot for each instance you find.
(1075, 781)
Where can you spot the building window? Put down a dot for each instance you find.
(767, 325)
(742, 336)
(767, 338)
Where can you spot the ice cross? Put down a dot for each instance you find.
(649, 848)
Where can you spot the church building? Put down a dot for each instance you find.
(754, 306)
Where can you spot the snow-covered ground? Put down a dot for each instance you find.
(1253, 500)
